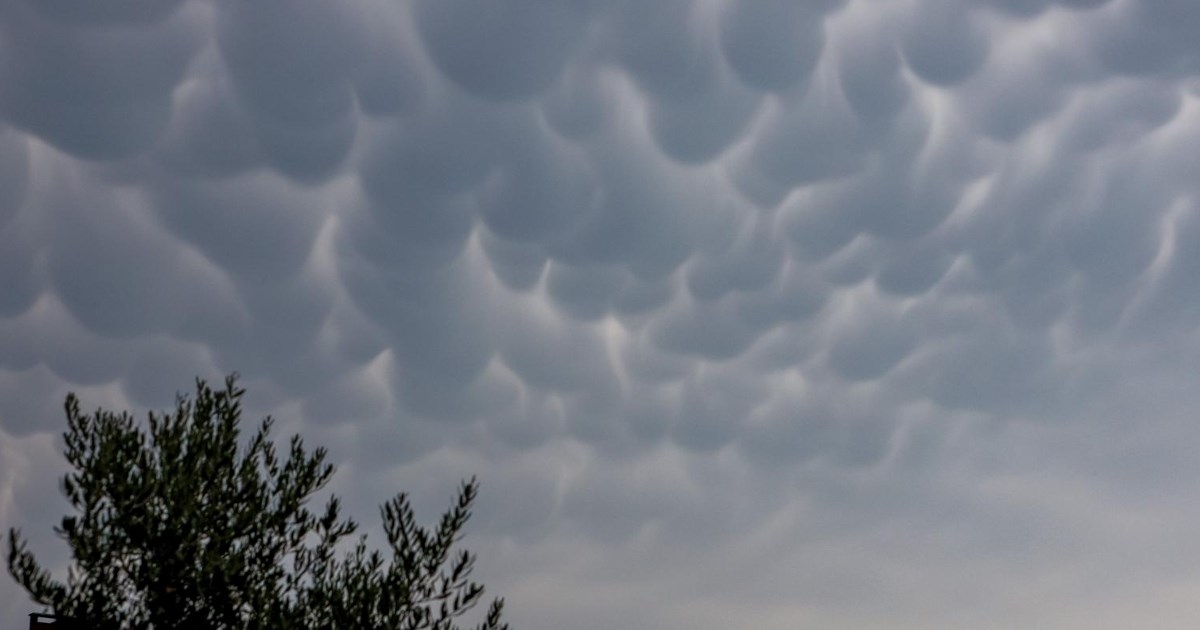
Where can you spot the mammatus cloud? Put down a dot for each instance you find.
(761, 313)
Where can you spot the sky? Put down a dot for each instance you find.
(848, 314)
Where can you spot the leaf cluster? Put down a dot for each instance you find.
(180, 525)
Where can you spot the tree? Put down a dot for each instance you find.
(183, 526)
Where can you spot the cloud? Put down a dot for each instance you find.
(840, 312)
(773, 45)
(944, 43)
(111, 94)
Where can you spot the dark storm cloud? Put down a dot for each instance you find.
(944, 43)
(503, 50)
(110, 96)
(116, 271)
(864, 295)
(296, 87)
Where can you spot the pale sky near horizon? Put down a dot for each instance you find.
(771, 314)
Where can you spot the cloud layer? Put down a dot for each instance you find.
(754, 313)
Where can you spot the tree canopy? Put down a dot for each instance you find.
(182, 524)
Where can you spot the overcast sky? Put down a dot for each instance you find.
(771, 314)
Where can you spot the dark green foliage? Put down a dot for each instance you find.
(181, 527)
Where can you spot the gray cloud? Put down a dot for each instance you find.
(506, 50)
(945, 42)
(111, 94)
(859, 313)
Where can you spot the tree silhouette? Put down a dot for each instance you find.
(182, 526)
